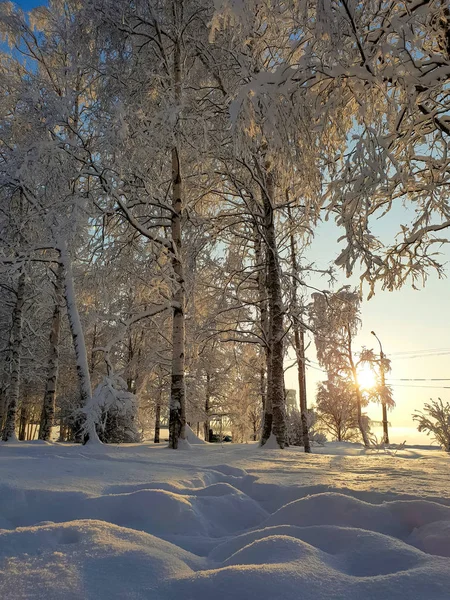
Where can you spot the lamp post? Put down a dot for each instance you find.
(383, 383)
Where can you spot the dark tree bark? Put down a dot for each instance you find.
(275, 388)
(177, 410)
(15, 347)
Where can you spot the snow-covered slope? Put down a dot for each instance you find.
(143, 522)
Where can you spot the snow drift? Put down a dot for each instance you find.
(85, 525)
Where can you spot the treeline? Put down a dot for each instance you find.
(164, 165)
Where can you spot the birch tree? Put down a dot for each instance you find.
(159, 174)
(50, 84)
(48, 406)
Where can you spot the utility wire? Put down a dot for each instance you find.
(430, 387)
(425, 350)
(421, 379)
(396, 358)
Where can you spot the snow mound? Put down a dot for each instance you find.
(217, 512)
(271, 443)
(398, 518)
(184, 444)
(192, 438)
(280, 568)
(274, 549)
(80, 524)
(86, 559)
(229, 471)
(417, 513)
(352, 551)
(433, 538)
(212, 511)
(335, 509)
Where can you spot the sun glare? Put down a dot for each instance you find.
(366, 378)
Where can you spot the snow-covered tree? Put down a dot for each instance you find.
(435, 421)
(336, 407)
(112, 412)
(335, 320)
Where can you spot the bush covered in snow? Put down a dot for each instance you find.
(113, 412)
(435, 420)
(337, 410)
(295, 429)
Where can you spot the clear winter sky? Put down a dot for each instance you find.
(405, 321)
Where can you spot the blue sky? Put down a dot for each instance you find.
(27, 4)
(405, 320)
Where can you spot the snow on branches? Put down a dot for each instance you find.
(435, 421)
(111, 412)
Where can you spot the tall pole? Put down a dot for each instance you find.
(383, 384)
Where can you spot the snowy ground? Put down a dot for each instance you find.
(144, 522)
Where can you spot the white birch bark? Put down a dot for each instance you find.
(77, 333)
(48, 407)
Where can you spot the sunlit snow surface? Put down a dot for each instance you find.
(231, 522)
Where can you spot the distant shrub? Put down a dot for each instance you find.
(435, 420)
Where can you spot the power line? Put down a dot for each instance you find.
(430, 387)
(424, 350)
(396, 358)
(421, 379)
(412, 354)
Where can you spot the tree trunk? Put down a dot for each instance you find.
(263, 323)
(268, 414)
(262, 293)
(15, 346)
(2, 406)
(177, 413)
(48, 408)
(275, 392)
(23, 421)
(207, 400)
(62, 430)
(359, 401)
(362, 429)
(79, 345)
(266, 320)
(130, 379)
(157, 422)
(299, 337)
(299, 341)
(92, 356)
(255, 430)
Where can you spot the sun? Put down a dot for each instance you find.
(366, 378)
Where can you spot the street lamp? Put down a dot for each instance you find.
(383, 383)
